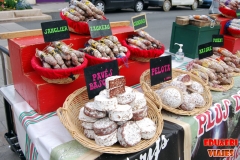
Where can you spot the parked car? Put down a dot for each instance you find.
(206, 3)
(168, 4)
(103, 5)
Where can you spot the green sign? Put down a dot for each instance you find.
(55, 30)
(238, 13)
(205, 50)
(99, 28)
(217, 40)
(139, 22)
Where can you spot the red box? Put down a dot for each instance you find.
(231, 43)
(45, 97)
(223, 21)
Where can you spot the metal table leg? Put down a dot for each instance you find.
(11, 135)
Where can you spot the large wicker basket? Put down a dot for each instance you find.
(68, 115)
(58, 76)
(223, 87)
(149, 91)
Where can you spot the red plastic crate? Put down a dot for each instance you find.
(231, 43)
(223, 21)
(45, 97)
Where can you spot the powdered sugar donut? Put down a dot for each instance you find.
(121, 113)
(102, 103)
(89, 133)
(196, 87)
(172, 97)
(198, 99)
(87, 125)
(104, 126)
(129, 134)
(147, 127)
(107, 140)
(139, 102)
(84, 117)
(90, 111)
(126, 97)
(187, 104)
(185, 78)
(180, 85)
(140, 114)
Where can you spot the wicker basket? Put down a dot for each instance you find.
(143, 55)
(69, 117)
(227, 12)
(234, 32)
(223, 87)
(58, 76)
(193, 71)
(149, 91)
(61, 80)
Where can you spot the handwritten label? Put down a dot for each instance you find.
(139, 22)
(95, 76)
(55, 30)
(217, 40)
(205, 50)
(99, 28)
(160, 69)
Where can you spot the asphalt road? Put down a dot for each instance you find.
(159, 22)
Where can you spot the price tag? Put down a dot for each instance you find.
(205, 50)
(99, 28)
(160, 69)
(55, 30)
(238, 13)
(139, 22)
(217, 40)
(95, 76)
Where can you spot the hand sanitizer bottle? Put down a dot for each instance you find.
(179, 56)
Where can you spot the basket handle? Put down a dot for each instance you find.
(60, 112)
(151, 95)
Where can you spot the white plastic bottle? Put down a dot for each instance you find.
(179, 56)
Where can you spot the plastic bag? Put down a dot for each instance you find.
(214, 7)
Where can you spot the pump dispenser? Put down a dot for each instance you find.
(179, 56)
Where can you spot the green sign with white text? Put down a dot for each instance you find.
(139, 22)
(99, 28)
(55, 30)
(205, 50)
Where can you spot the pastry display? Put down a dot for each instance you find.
(219, 68)
(119, 116)
(58, 55)
(142, 40)
(182, 93)
(82, 10)
(106, 48)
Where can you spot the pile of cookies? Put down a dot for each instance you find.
(182, 93)
(117, 114)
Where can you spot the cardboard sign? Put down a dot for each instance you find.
(160, 69)
(95, 76)
(99, 28)
(139, 22)
(55, 30)
(238, 13)
(217, 40)
(205, 50)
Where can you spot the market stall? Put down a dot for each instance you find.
(191, 105)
